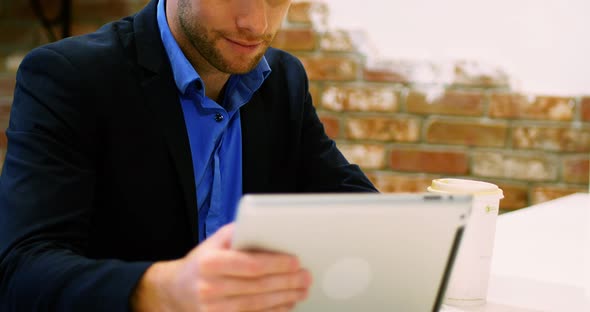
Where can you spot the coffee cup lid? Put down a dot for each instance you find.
(464, 186)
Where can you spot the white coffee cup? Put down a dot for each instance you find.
(468, 284)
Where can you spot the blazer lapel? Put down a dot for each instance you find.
(162, 99)
(256, 121)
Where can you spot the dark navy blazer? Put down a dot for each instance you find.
(98, 180)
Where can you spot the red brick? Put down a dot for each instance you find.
(12, 61)
(515, 196)
(295, 40)
(330, 67)
(585, 108)
(100, 10)
(306, 12)
(3, 139)
(429, 161)
(5, 104)
(526, 167)
(140, 5)
(18, 33)
(77, 28)
(384, 75)
(542, 108)
(2, 156)
(314, 91)
(367, 156)
(22, 10)
(81, 28)
(7, 84)
(2, 148)
(436, 101)
(553, 138)
(507, 105)
(364, 98)
(576, 170)
(396, 183)
(52, 8)
(552, 108)
(546, 193)
(331, 126)
(469, 133)
(383, 129)
(299, 12)
(473, 74)
(336, 41)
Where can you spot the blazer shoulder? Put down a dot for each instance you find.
(98, 51)
(285, 63)
(288, 76)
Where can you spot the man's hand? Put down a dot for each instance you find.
(213, 277)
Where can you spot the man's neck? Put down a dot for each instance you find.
(213, 79)
(214, 84)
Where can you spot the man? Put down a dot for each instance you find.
(129, 146)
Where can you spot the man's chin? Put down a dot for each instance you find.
(244, 66)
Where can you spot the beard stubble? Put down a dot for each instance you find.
(204, 41)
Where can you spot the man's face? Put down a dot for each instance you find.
(230, 35)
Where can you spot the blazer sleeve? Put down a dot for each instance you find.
(46, 195)
(324, 167)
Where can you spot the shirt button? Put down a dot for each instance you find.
(218, 117)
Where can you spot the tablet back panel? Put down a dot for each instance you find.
(366, 252)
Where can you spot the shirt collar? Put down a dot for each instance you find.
(183, 71)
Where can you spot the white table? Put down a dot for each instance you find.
(541, 259)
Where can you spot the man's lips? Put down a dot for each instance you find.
(245, 44)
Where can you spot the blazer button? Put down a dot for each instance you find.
(218, 117)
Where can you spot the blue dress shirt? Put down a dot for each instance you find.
(214, 132)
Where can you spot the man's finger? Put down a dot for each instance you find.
(234, 263)
(222, 287)
(260, 302)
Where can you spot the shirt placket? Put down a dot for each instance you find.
(214, 213)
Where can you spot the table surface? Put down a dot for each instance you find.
(541, 259)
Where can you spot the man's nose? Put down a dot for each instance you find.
(252, 16)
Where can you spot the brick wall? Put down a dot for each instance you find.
(403, 131)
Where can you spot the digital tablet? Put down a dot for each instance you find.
(366, 252)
